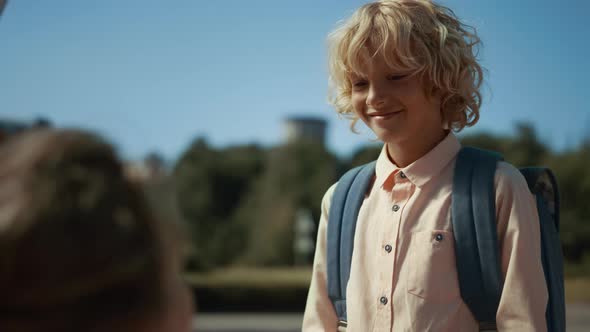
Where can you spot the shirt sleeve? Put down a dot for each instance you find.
(319, 315)
(524, 297)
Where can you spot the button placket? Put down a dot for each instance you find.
(399, 195)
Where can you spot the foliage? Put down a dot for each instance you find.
(297, 176)
(572, 172)
(211, 184)
(240, 202)
(364, 155)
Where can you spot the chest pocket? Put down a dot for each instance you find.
(432, 273)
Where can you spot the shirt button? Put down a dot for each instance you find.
(402, 175)
(388, 248)
(395, 208)
(383, 300)
(439, 237)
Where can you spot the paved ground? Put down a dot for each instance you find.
(578, 320)
(578, 317)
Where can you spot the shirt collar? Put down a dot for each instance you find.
(420, 171)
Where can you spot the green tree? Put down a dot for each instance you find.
(364, 155)
(211, 185)
(522, 149)
(571, 169)
(297, 176)
(486, 141)
(525, 149)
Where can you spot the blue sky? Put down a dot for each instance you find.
(153, 75)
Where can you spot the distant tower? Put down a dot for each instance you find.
(305, 128)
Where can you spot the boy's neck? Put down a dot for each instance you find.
(404, 153)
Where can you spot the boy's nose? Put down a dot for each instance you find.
(376, 97)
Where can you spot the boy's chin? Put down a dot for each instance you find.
(390, 137)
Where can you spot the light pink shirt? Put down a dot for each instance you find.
(403, 279)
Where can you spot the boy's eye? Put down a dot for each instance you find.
(396, 77)
(359, 83)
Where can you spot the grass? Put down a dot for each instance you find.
(252, 278)
(251, 289)
(577, 289)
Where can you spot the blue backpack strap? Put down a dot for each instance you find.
(473, 216)
(346, 202)
(543, 185)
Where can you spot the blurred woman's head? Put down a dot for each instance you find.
(79, 248)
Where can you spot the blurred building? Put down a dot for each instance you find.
(152, 168)
(305, 129)
(304, 237)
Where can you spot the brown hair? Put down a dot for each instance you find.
(78, 245)
(413, 36)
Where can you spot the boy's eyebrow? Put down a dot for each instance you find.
(356, 77)
(397, 72)
(352, 74)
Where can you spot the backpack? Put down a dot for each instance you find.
(473, 215)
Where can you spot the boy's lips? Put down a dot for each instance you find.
(383, 115)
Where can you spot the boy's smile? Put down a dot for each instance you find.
(383, 119)
(395, 106)
(381, 116)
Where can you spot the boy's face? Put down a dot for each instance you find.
(394, 104)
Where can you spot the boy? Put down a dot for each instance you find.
(407, 69)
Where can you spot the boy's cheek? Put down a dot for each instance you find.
(360, 114)
(358, 105)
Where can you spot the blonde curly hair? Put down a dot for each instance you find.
(412, 36)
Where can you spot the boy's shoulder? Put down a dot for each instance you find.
(508, 178)
(327, 199)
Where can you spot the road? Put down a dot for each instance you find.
(578, 320)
